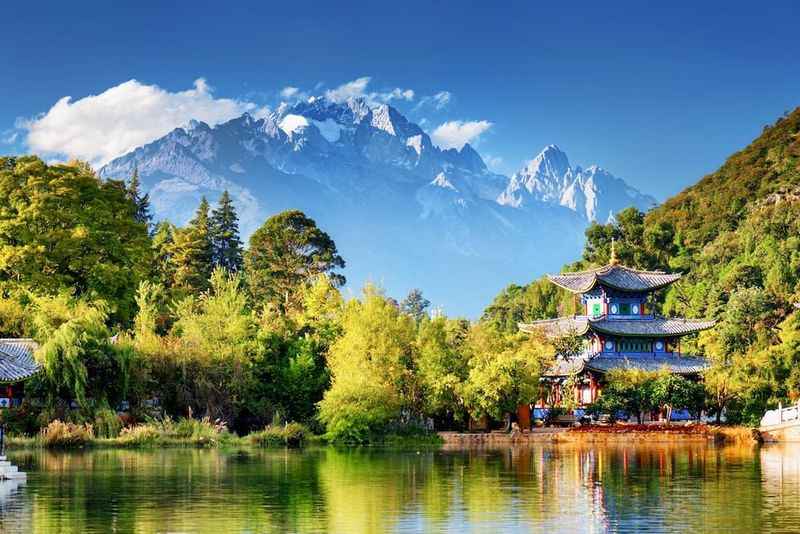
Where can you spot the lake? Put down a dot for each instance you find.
(546, 488)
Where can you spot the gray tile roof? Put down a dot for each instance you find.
(16, 359)
(577, 325)
(644, 327)
(657, 326)
(614, 276)
(682, 365)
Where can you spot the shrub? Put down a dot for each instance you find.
(271, 436)
(139, 435)
(294, 434)
(290, 435)
(107, 423)
(21, 421)
(66, 435)
(202, 432)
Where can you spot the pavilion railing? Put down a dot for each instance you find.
(781, 415)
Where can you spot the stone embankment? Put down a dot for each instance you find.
(9, 471)
(623, 433)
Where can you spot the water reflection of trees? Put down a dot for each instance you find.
(567, 487)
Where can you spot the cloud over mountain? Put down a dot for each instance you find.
(455, 134)
(98, 128)
(402, 210)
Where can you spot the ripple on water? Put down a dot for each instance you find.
(550, 488)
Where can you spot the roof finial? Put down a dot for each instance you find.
(613, 260)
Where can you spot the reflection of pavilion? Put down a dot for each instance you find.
(780, 467)
(15, 512)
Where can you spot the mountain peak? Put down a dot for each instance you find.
(551, 161)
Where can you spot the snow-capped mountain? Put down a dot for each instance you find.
(593, 192)
(403, 212)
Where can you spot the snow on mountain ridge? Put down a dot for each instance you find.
(353, 167)
(590, 192)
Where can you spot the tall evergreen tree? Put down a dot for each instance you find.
(163, 243)
(142, 202)
(225, 242)
(415, 305)
(192, 252)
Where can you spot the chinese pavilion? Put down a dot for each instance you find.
(16, 365)
(620, 329)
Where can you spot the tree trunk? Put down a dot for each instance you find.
(507, 421)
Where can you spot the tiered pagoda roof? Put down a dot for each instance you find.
(639, 327)
(614, 276)
(16, 360)
(680, 365)
(623, 335)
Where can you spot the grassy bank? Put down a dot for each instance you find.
(165, 433)
(193, 433)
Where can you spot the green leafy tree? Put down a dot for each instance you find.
(225, 242)
(629, 391)
(81, 362)
(371, 370)
(441, 367)
(163, 243)
(287, 252)
(671, 391)
(504, 370)
(62, 228)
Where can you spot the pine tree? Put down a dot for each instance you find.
(192, 253)
(141, 202)
(415, 305)
(225, 241)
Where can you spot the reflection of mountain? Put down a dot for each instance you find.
(403, 211)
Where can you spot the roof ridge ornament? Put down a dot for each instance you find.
(613, 260)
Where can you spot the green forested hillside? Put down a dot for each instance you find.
(736, 237)
(718, 202)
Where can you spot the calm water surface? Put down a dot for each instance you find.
(549, 488)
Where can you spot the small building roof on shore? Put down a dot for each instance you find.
(16, 359)
(614, 276)
(640, 327)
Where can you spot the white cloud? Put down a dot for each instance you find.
(439, 101)
(396, 94)
(9, 137)
(289, 92)
(358, 89)
(98, 128)
(494, 163)
(454, 134)
(347, 90)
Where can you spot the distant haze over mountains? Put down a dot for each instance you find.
(403, 212)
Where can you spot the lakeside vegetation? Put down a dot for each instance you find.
(185, 324)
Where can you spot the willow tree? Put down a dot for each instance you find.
(81, 362)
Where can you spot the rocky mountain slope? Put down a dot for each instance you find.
(403, 212)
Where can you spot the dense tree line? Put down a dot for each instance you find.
(187, 322)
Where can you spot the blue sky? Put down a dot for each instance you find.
(658, 94)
